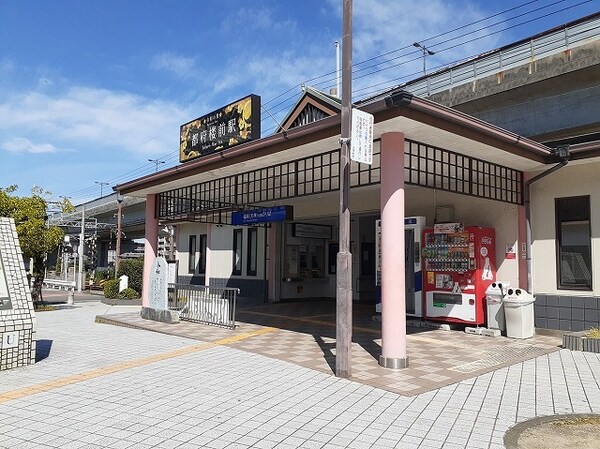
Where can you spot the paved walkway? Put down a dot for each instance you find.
(305, 335)
(100, 386)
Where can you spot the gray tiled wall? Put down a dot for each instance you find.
(566, 313)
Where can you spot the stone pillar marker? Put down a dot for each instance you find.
(17, 317)
(158, 294)
(123, 282)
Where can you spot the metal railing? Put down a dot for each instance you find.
(59, 284)
(511, 56)
(202, 304)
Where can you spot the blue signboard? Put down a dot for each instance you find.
(264, 215)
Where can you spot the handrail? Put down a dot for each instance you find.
(506, 58)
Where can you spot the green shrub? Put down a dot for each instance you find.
(104, 274)
(134, 269)
(111, 289)
(128, 293)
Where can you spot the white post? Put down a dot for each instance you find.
(81, 242)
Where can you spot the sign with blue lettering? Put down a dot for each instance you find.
(264, 215)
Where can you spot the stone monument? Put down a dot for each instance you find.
(123, 282)
(158, 294)
(17, 318)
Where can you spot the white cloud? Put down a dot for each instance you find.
(90, 119)
(252, 19)
(179, 65)
(381, 26)
(23, 145)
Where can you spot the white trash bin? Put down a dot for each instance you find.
(495, 308)
(518, 311)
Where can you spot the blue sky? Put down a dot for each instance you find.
(90, 90)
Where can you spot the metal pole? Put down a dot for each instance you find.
(119, 218)
(343, 343)
(337, 70)
(80, 250)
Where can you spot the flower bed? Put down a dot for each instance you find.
(581, 341)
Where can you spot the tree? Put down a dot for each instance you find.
(35, 236)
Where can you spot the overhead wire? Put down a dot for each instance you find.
(413, 51)
(286, 97)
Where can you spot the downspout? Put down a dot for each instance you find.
(265, 255)
(564, 154)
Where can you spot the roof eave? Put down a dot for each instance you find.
(397, 104)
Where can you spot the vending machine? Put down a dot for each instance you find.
(459, 264)
(413, 231)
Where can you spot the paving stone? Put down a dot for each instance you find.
(235, 396)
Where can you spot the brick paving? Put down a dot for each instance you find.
(306, 337)
(173, 392)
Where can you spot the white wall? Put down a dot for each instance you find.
(473, 211)
(574, 179)
(219, 251)
(184, 230)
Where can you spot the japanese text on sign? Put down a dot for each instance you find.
(361, 139)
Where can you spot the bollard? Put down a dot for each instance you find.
(70, 297)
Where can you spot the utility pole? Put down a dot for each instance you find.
(425, 52)
(343, 340)
(157, 162)
(80, 250)
(102, 184)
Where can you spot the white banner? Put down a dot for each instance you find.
(361, 138)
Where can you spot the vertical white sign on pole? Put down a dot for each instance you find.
(361, 138)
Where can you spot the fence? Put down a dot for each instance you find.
(209, 305)
(59, 284)
(508, 57)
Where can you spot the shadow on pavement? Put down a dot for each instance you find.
(317, 317)
(42, 349)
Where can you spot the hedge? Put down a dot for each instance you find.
(111, 289)
(134, 269)
(128, 293)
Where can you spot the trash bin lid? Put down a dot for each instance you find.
(499, 287)
(518, 301)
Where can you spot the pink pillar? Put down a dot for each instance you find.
(393, 284)
(150, 244)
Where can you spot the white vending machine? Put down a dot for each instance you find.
(413, 231)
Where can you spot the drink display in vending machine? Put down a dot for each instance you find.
(459, 264)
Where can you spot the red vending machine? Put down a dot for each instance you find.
(459, 264)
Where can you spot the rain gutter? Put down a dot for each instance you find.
(528, 148)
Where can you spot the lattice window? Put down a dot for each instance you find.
(425, 166)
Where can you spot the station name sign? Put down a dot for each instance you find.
(264, 215)
(226, 127)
